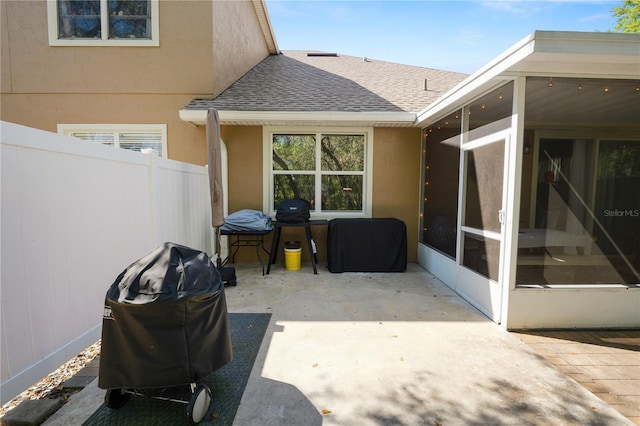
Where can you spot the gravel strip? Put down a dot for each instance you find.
(50, 387)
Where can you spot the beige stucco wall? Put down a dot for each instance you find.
(396, 182)
(235, 29)
(244, 150)
(183, 63)
(43, 86)
(396, 179)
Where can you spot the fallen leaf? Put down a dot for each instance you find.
(315, 365)
(215, 415)
(326, 411)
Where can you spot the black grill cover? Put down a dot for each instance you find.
(367, 245)
(165, 321)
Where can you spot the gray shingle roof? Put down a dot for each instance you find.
(294, 81)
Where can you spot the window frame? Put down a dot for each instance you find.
(54, 40)
(68, 129)
(268, 198)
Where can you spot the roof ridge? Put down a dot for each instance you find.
(366, 59)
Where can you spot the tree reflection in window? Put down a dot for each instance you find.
(83, 19)
(79, 18)
(129, 19)
(328, 167)
(342, 153)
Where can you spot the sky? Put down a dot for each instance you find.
(453, 35)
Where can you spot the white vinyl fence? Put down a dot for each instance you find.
(74, 215)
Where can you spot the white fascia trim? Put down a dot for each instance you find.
(543, 46)
(199, 117)
(468, 87)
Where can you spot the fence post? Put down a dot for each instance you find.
(153, 195)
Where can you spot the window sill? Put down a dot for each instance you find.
(105, 43)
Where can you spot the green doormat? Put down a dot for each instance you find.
(227, 385)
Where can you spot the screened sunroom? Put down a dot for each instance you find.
(531, 184)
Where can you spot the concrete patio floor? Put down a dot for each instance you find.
(389, 349)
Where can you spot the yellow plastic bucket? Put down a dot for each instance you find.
(292, 258)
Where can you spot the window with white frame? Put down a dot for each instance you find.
(103, 22)
(133, 137)
(330, 168)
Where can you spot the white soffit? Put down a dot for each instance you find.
(547, 53)
(274, 118)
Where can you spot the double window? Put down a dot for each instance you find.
(103, 22)
(330, 169)
(127, 136)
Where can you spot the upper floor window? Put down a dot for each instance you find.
(127, 136)
(103, 22)
(330, 168)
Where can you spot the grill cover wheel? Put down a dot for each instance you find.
(199, 404)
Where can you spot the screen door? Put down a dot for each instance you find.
(480, 252)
